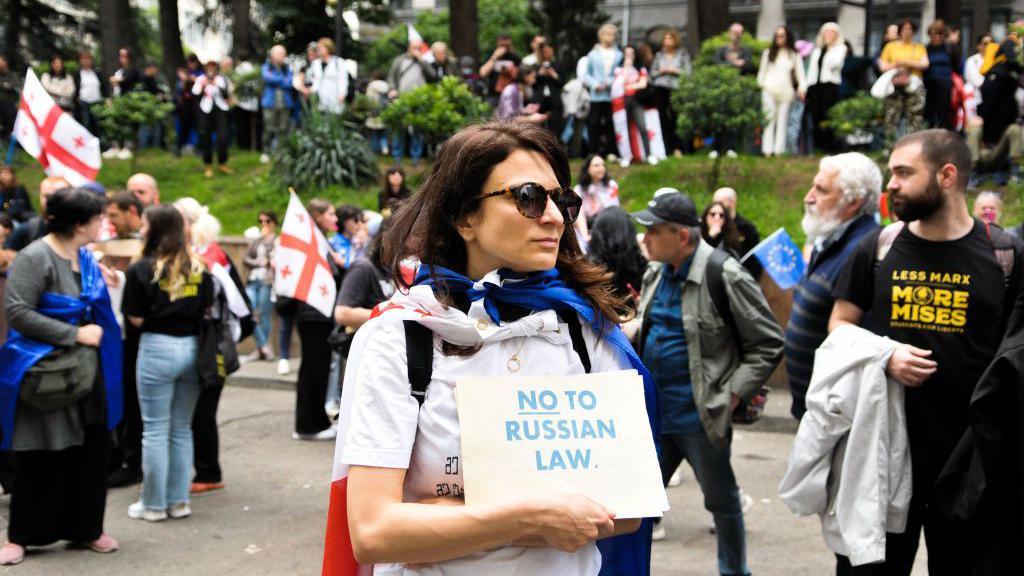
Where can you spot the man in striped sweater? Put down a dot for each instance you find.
(839, 209)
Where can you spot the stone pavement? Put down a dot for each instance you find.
(270, 519)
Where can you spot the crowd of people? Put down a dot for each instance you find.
(902, 334)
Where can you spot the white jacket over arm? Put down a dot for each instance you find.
(850, 462)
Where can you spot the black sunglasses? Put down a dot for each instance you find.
(531, 200)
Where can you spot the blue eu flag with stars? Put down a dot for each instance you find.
(781, 258)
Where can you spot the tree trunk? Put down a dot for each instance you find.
(241, 31)
(949, 11)
(170, 39)
(12, 37)
(706, 19)
(981, 21)
(463, 29)
(116, 32)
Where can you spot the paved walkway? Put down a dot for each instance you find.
(270, 519)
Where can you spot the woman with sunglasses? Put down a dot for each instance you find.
(501, 289)
(719, 229)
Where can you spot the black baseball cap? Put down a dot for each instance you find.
(668, 206)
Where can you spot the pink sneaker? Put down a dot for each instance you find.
(104, 544)
(11, 554)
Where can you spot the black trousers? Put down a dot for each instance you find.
(61, 495)
(663, 101)
(186, 123)
(209, 124)
(128, 451)
(206, 437)
(247, 129)
(600, 129)
(821, 98)
(311, 389)
(947, 553)
(937, 95)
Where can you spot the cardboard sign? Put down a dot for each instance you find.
(587, 434)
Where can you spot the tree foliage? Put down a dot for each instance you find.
(706, 55)
(860, 114)
(121, 117)
(436, 111)
(327, 150)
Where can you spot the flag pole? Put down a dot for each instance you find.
(11, 149)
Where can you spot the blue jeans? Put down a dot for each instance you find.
(721, 495)
(259, 296)
(379, 141)
(409, 137)
(168, 390)
(284, 336)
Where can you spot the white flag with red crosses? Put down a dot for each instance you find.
(50, 135)
(301, 270)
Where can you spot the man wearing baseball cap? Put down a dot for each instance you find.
(704, 360)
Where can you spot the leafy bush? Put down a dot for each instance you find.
(860, 114)
(248, 85)
(359, 110)
(327, 150)
(706, 56)
(122, 116)
(436, 111)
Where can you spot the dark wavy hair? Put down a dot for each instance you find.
(613, 244)
(730, 234)
(425, 225)
(773, 50)
(584, 179)
(389, 199)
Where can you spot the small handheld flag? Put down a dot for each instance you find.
(781, 258)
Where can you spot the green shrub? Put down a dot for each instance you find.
(436, 111)
(248, 85)
(122, 116)
(860, 114)
(706, 56)
(326, 151)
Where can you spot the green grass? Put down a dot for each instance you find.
(770, 191)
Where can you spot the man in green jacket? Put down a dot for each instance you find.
(703, 363)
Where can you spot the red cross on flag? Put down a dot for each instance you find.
(63, 146)
(301, 269)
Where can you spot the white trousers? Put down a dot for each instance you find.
(776, 114)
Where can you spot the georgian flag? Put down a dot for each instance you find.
(302, 271)
(61, 145)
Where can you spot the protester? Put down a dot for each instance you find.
(330, 78)
(749, 236)
(37, 226)
(366, 284)
(302, 81)
(547, 92)
(393, 190)
(153, 83)
(972, 67)
(613, 244)
(702, 370)
(634, 79)
(60, 443)
(1000, 107)
(938, 78)
(988, 207)
(719, 231)
(512, 103)
(839, 210)
(500, 60)
(443, 63)
(781, 78)
(907, 60)
(735, 53)
(214, 91)
(258, 257)
(163, 297)
(14, 197)
(145, 188)
(10, 96)
(124, 212)
(536, 56)
(576, 104)
(995, 157)
(90, 89)
(59, 84)
(185, 102)
(671, 62)
(311, 422)
(601, 64)
(824, 76)
(496, 234)
(408, 72)
(349, 243)
(123, 82)
(937, 284)
(247, 119)
(377, 95)
(276, 100)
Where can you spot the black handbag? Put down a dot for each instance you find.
(60, 378)
(340, 341)
(217, 356)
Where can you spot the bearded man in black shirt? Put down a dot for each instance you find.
(941, 284)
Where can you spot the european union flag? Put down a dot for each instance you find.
(781, 258)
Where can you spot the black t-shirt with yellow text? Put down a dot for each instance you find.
(946, 297)
(176, 314)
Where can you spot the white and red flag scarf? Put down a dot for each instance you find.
(302, 271)
(50, 135)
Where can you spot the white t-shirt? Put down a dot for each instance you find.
(598, 196)
(89, 87)
(388, 429)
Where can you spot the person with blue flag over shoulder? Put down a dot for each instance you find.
(60, 382)
(503, 289)
(710, 341)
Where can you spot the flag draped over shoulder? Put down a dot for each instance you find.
(50, 135)
(301, 270)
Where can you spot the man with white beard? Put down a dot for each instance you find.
(839, 210)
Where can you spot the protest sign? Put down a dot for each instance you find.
(587, 434)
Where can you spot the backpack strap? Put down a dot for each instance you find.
(716, 287)
(419, 350)
(579, 345)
